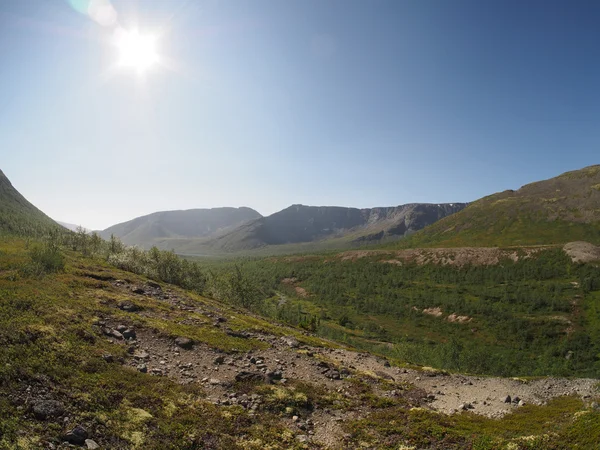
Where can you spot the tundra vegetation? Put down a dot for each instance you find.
(54, 289)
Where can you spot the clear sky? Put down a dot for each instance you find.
(268, 103)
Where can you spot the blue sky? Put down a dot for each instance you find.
(269, 103)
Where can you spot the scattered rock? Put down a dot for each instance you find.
(77, 435)
(45, 409)
(185, 343)
(112, 333)
(91, 445)
(143, 368)
(219, 360)
(291, 341)
(507, 399)
(129, 333)
(128, 306)
(141, 354)
(249, 376)
(138, 290)
(108, 358)
(275, 375)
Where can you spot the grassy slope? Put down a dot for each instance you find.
(17, 215)
(558, 210)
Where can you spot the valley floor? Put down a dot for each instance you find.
(98, 356)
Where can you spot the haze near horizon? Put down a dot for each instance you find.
(112, 110)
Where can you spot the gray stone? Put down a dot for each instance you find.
(507, 399)
(91, 445)
(77, 435)
(185, 343)
(45, 409)
(140, 354)
(129, 333)
(128, 306)
(249, 376)
(291, 341)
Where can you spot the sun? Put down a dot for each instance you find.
(136, 51)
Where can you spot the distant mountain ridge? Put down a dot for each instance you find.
(302, 224)
(149, 230)
(555, 211)
(241, 229)
(18, 215)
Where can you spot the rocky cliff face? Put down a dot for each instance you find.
(301, 224)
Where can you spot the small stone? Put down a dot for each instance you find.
(91, 445)
(77, 435)
(140, 354)
(143, 368)
(184, 343)
(45, 409)
(291, 341)
(507, 399)
(521, 403)
(108, 358)
(219, 360)
(129, 333)
(295, 419)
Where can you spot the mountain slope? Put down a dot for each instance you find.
(149, 230)
(555, 211)
(303, 224)
(17, 215)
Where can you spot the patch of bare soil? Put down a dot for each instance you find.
(461, 256)
(460, 319)
(582, 252)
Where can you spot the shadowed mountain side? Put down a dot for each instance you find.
(301, 224)
(17, 215)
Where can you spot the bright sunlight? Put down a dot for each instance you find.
(136, 51)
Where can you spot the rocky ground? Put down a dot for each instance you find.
(285, 360)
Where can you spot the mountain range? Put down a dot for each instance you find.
(217, 230)
(555, 211)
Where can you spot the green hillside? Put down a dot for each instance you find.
(19, 216)
(555, 211)
(99, 357)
